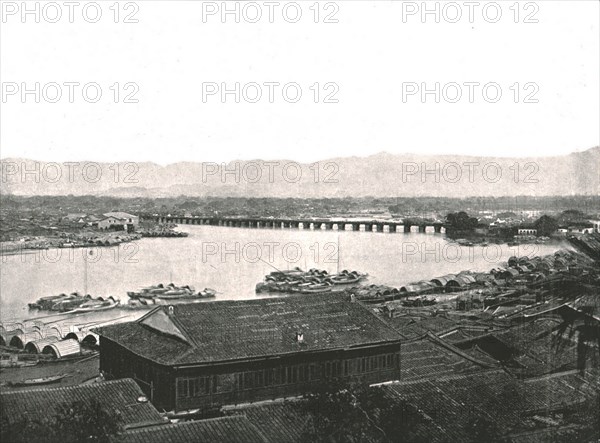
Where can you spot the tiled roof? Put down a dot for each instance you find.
(424, 359)
(540, 348)
(281, 422)
(235, 429)
(120, 215)
(228, 330)
(117, 395)
(455, 401)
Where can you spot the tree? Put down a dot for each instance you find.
(461, 221)
(572, 216)
(546, 225)
(342, 413)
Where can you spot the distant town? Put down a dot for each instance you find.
(509, 354)
(43, 221)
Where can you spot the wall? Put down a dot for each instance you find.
(282, 377)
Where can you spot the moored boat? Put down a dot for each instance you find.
(205, 293)
(97, 305)
(38, 381)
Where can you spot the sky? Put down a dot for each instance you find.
(344, 78)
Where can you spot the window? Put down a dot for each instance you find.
(304, 373)
(192, 387)
(269, 377)
(181, 388)
(390, 360)
(313, 373)
(260, 379)
(373, 365)
(248, 380)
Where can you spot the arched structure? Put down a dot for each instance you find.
(461, 281)
(18, 341)
(85, 338)
(37, 346)
(442, 281)
(61, 349)
(7, 336)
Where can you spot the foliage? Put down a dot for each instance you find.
(342, 413)
(546, 225)
(72, 423)
(461, 221)
(572, 216)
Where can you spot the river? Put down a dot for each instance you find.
(233, 260)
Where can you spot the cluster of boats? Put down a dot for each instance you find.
(308, 282)
(375, 293)
(163, 233)
(170, 292)
(74, 302)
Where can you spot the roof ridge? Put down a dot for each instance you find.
(72, 387)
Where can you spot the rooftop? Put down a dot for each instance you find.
(229, 330)
(454, 402)
(118, 395)
(234, 429)
(282, 422)
(120, 215)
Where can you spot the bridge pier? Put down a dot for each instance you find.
(378, 227)
(407, 228)
(437, 229)
(422, 228)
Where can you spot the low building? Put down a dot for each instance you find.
(233, 429)
(121, 396)
(526, 231)
(229, 352)
(118, 221)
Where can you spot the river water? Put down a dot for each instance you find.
(233, 260)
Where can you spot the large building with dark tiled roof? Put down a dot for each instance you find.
(202, 355)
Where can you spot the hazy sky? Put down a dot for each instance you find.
(376, 51)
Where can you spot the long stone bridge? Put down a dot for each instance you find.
(301, 223)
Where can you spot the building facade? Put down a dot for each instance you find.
(120, 221)
(211, 354)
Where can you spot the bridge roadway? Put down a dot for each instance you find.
(300, 223)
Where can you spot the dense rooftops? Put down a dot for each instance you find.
(121, 396)
(230, 330)
(235, 429)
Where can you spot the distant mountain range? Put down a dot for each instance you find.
(379, 175)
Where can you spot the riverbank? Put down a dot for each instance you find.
(80, 240)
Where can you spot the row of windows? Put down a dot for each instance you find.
(286, 375)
